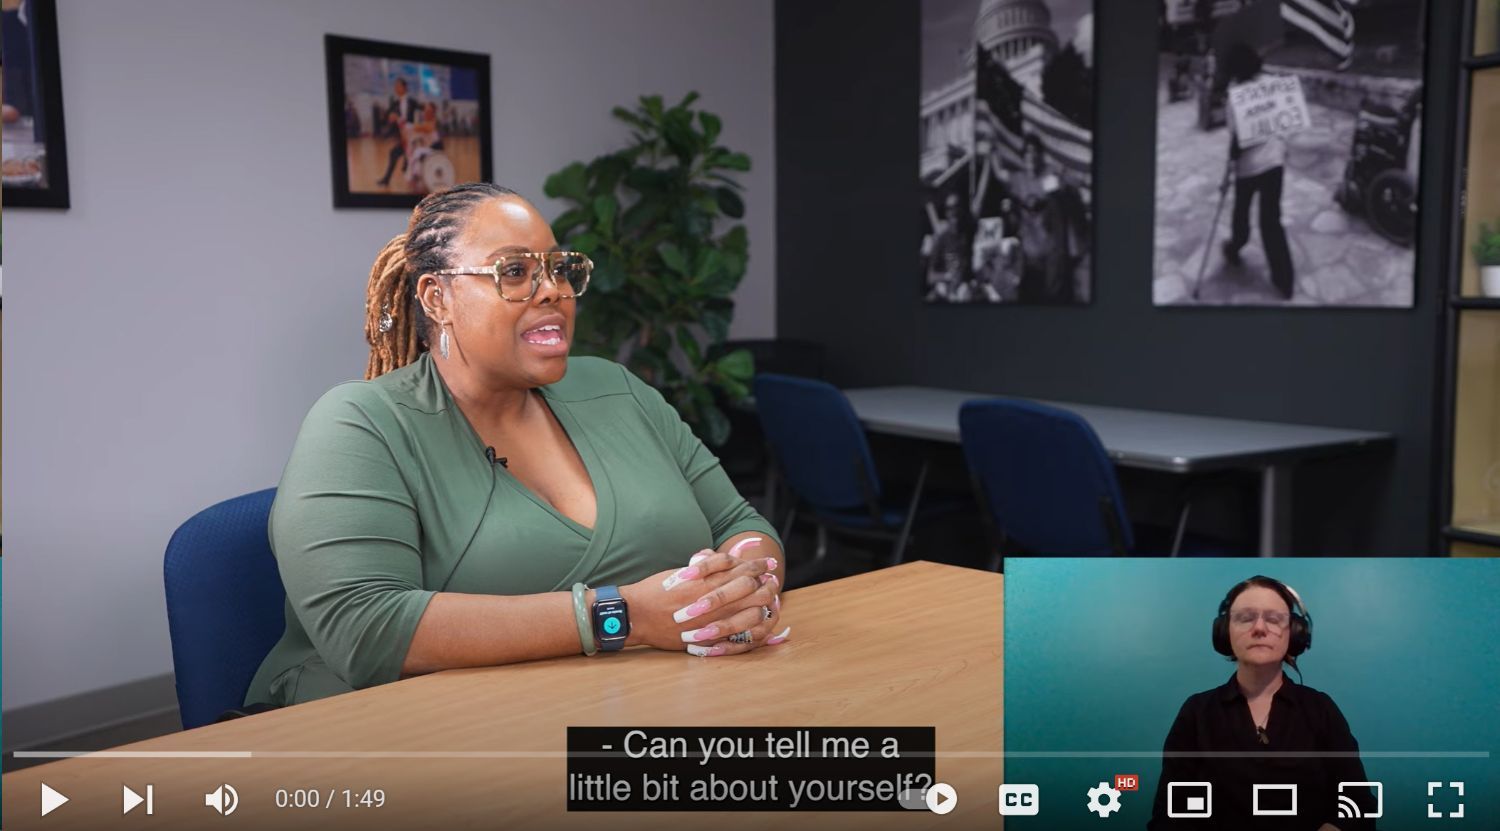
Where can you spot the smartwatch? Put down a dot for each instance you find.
(611, 619)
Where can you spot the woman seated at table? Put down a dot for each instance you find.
(490, 500)
(1261, 728)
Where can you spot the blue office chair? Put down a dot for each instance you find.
(824, 457)
(1043, 479)
(225, 604)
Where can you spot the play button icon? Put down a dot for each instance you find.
(51, 800)
(941, 798)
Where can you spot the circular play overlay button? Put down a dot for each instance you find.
(941, 798)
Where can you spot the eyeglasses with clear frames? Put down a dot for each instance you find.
(1245, 618)
(518, 276)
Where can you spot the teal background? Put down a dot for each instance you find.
(1101, 653)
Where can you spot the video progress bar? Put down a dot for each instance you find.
(396, 754)
(563, 754)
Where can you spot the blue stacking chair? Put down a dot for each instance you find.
(225, 604)
(823, 455)
(1044, 480)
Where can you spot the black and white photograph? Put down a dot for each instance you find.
(1288, 142)
(1007, 119)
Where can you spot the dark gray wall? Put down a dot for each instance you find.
(848, 227)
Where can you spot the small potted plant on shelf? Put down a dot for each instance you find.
(1487, 254)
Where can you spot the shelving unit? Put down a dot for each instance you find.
(1471, 419)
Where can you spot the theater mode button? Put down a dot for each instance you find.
(1020, 800)
(941, 798)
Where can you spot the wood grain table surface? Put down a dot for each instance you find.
(914, 645)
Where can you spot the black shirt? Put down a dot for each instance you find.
(1302, 721)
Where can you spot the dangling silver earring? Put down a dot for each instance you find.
(443, 343)
(386, 321)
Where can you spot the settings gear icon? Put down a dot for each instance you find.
(1104, 800)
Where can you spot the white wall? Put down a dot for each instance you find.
(166, 335)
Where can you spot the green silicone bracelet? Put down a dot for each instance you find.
(581, 617)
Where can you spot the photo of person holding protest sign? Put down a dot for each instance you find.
(1259, 161)
(1318, 103)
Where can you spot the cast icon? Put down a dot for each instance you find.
(1349, 809)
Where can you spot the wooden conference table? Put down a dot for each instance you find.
(1170, 442)
(914, 645)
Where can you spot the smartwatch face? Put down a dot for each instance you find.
(610, 621)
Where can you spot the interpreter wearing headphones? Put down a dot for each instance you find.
(1260, 727)
(491, 500)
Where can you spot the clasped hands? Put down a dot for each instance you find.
(716, 597)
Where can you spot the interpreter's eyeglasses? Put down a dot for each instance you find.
(517, 276)
(1245, 618)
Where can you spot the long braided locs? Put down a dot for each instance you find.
(396, 326)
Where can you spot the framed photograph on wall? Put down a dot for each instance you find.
(1288, 146)
(404, 121)
(1007, 138)
(34, 158)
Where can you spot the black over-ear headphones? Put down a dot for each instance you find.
(1300, 626)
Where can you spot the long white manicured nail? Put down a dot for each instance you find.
(700, 651)
(779, 638)
(707, 633)
(696, 608)
(734, 550)
(681, 575)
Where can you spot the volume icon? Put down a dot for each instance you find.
(223, 799)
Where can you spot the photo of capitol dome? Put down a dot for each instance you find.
(1006, 164)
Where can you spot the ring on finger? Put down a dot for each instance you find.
(740, 637)
(767, 611)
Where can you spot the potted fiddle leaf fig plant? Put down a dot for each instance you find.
(1487, 254)
(658, 218)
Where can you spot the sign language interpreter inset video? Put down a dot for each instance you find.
(1276, 695)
